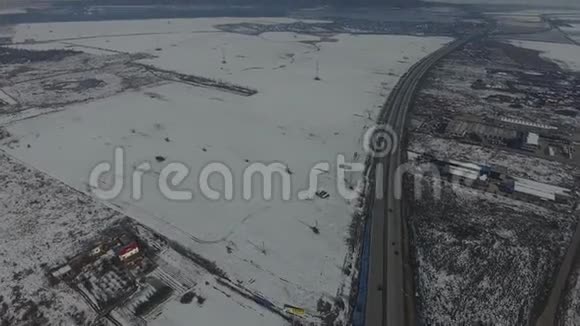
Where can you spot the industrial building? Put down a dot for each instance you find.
(494, 177)
(528, 124)
(531, 142)
(489, 133)
(541, 190)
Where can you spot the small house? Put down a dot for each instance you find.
(129, 251)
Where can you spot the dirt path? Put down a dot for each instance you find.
(548, 316)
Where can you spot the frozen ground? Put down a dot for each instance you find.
(483, 258)
(450, 92)
(569, 313)
(267, 246)
(492, 267)
(519, 22)
(573, 31)
(39, 82)
(212, 313)
(524, 166)
(570, 316)
(12, 11)
(214, 303)
(42, 222)
(539, 3)
(567, 56)
(74, 30)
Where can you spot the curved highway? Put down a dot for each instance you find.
(390, 298)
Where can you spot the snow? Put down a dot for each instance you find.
(151, 27)
(293, 119)
(464, 173)
(64, 45)
(42, 223)
(518, 165)
(533, 139)
(540, 189)
(61, 271)
(571, 315)
(573, 30)
(553, 13)
(6, 98)
(478, 255)
(219, 309)
(570, 303)
(519, 19)
(567, 56)
(213, 304)
(527, 123)
(539, 3)
(12, 11)
(523, 188)
(468, 166)
(288, 37)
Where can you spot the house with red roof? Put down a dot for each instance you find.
(128, 251)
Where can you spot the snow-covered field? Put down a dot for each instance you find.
(220, 309)
(539, 3)
(107, 30)
(266, 245)
(573, 30)
(12, 11)
(519, 19)
(218, 305)
(42, 223)
(566, 56)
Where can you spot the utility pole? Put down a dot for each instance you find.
(317, 70)
(223, 56)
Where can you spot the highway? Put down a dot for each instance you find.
(390, 297)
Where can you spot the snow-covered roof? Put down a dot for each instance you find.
(470, 166)
(534, 192)
(533, 139)
(529, 124)
(412, 155)
(543, 186)
(538, 189)
(463, 172)
(61, 271)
